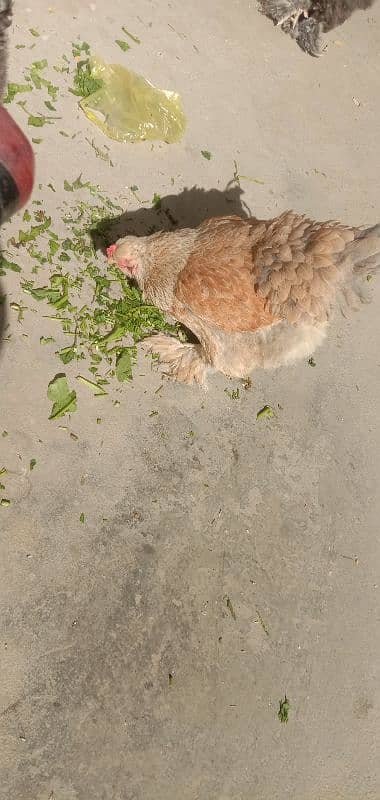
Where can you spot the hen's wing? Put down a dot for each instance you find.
(298, 265)
(216, 283)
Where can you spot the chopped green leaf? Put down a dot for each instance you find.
(283, 712)
(64, 400)
(79, 48)
(5, 502)
(4, 434)
(35, 140)
(81, 518)
(15, 88)
(265, 413)
(46, 340)
(77, 184)
(40, 65)
(37, 122)
(53, 245)
(34, 32)
(49, 105)
(124, 363)
(99, 390)
(123, 45)
(206, 154)
(131, 36)
(311, 362)
(5, 264)
(67, 354)
(99, 152)
(156, 202)
(35, 231)
(32, 463)
(84, 83)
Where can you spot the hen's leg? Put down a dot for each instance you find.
(183, 362)
(293, 18)
(283, 11)
(308, 37)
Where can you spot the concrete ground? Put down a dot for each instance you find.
(144, 652)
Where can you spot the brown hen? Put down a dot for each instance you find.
(254, 293)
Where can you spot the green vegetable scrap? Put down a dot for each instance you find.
(206, 154)
(5, 264)
(85, 83)
(33, 76)
(311, 362)
(99, 152)
(32, 463)
(34, 32)
(124, 362)
(81, 518)
(123, 45)
(156, 202)
(99, 391)
(15, 88)
(131, 36)
(64, 400)
(100, 313)
(265, 413)
(283, 712)
(78, 48)
(47, 340)
(5, 502)
(38, 121)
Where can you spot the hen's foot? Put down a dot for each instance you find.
(293, 17)
(308, 36)
(184, 362)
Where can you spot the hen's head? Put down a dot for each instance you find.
(130, 255)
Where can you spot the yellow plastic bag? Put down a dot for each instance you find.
(130, 109)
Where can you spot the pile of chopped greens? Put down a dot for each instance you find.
(101, 314)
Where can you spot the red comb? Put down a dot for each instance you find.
(110, 250)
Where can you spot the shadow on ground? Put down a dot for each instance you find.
(185, 210)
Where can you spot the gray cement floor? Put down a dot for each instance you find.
(280, 516)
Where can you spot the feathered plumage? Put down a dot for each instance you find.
(306, 20)
(254, 293)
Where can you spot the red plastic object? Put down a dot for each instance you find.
(16, 167)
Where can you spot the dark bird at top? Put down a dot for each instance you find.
(306, 21)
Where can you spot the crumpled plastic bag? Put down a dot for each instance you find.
(130, 109)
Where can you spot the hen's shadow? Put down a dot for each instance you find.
(172, 212)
